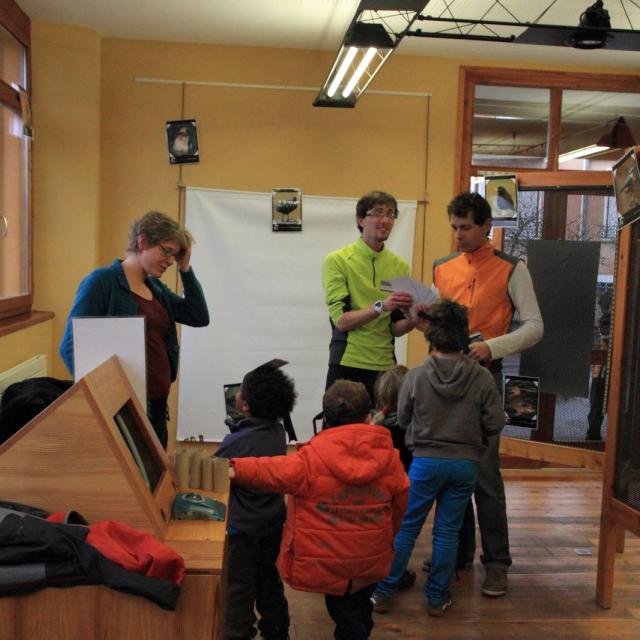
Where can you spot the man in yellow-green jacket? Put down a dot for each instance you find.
(365, 320)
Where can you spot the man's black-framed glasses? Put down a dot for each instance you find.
(379, 212)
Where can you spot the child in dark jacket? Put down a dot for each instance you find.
(447, 405)
(256, 517)
(348, 494)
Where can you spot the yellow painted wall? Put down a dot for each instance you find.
(66, 167)
(22, 345)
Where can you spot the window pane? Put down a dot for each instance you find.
(599, 124)
(510, 126)
(14, 219)
(12, 60)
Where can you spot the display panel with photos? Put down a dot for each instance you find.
(626, 184)
(521, 400)
(137, 441)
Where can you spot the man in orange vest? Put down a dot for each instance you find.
(492, 285)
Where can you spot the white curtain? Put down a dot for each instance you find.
(264, 292)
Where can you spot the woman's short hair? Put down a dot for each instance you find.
(158, 227)
(388, 385)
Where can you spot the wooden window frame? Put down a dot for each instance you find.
(18, 24)
(556, 82)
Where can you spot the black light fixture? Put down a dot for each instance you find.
(620, 136)
(594, 28)
(375, 31)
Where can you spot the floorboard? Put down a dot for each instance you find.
(554, 526)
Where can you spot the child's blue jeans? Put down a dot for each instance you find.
(450, 483)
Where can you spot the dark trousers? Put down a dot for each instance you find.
(352, 614)
(157, 413)
(368, 377)
(596, 406)
(254, 581)
(491, 506)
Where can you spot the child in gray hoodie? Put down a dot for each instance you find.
(447, 406)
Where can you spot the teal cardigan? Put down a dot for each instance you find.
(106, 292)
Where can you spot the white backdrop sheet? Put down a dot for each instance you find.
(264, 292)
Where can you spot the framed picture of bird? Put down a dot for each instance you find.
(182, 141)
(501, 192)
(521, 400)
(626, 184)
(286, 209)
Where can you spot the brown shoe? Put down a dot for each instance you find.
(495, 582)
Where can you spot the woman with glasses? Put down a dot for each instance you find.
(132, 287)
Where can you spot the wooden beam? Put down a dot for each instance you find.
(554, 453)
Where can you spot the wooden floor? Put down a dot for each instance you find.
(554, 525)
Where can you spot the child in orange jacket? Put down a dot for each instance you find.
(348, 495)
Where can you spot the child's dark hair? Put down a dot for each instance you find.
(388, 385)
(269, 392)
(345, 402)
(448, 329)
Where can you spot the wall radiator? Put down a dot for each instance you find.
(32, 368)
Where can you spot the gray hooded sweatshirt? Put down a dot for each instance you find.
(448, 407)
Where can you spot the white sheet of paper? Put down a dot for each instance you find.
(420, 293)
(97, 339)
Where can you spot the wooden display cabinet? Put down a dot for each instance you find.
(94, 451)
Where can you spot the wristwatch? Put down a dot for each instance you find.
(378, 306)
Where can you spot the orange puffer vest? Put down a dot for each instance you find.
(479, 280)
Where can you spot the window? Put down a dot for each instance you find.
(510, 126)
(527, 124)
(15, 147)
(531, 121)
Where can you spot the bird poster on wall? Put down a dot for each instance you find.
(521, 400)
(626, 184)
(182, 141)
(286, 209)
(501, 192)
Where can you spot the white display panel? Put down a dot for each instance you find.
(264, 292)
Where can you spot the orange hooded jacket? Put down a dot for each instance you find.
(348, 492)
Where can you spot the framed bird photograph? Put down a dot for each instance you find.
(501, 192)
(626, 184)
(286, 209)
(182, 141)
(521, 400)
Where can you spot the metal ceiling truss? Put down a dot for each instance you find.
(594, 26)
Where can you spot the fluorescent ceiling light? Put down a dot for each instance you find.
(344, 67)
(375, 30)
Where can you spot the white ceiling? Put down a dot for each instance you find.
(321, 24)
